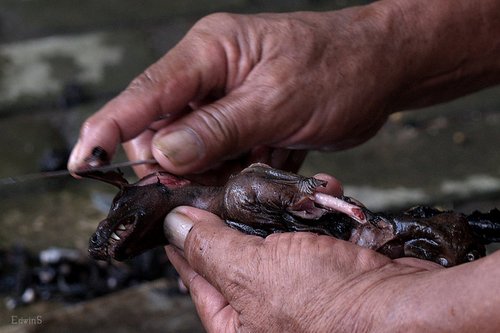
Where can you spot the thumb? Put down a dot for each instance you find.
(212, 249)
(221, 130)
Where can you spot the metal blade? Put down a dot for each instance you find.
(62, 173)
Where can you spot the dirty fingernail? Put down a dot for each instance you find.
(180, 147)
(97, 157)
(176, 228)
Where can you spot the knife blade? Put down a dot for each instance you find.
(62, 173)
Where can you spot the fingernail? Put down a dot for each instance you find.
(180, 147)
(97, 157)
(176, 228)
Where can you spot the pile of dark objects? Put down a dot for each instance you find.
(69, 275)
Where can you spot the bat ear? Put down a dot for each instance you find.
(111, 177)
(167, 179)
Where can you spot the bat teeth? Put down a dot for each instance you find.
(121, 227)
(115, 236)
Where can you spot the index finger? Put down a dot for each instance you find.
(160, 92)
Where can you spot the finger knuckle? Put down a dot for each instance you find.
(216, 21)
(211, 34)
(146, 81)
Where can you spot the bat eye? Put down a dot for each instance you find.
(443, 262)
(128, 220)
(473, 255)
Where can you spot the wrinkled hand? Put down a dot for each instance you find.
(250, 87)
(287, 282)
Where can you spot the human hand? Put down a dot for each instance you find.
(287, 282)
(306, 282)
(253, 85)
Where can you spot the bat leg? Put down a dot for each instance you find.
(340, 205)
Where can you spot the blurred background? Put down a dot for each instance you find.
(61, 60)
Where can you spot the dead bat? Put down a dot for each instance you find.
(261, 200)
